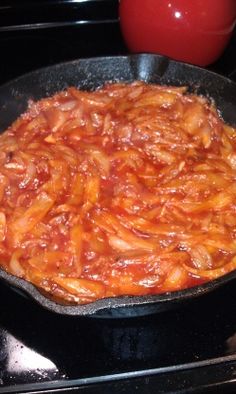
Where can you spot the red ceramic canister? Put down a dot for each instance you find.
(194, 31)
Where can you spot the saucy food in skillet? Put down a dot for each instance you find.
(127, 190)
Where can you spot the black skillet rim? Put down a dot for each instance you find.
(103, 307)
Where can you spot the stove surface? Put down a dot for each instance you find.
(190, 349)
(38, 346)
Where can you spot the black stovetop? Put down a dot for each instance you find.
(190, 349)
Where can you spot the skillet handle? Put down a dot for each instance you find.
(226, 64)
(232, 75)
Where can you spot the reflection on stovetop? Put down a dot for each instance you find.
(37, 345)
(20, 359)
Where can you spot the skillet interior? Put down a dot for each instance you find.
(90, 74)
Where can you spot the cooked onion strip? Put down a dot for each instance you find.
(3, 223)
(14, 264)
(212, 273)
(28, 220)
(76, 234)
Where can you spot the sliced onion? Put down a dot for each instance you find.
(3, 223)
(29, 175)
(102, 160)
(212, 273)
(120, 244)
(14, 264)
(68, 105)
(76, 234)
(81, 287)
(33, 215)
(201, 258)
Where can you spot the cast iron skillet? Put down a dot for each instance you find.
(89, 74)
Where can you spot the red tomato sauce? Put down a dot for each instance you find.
(127, 190)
